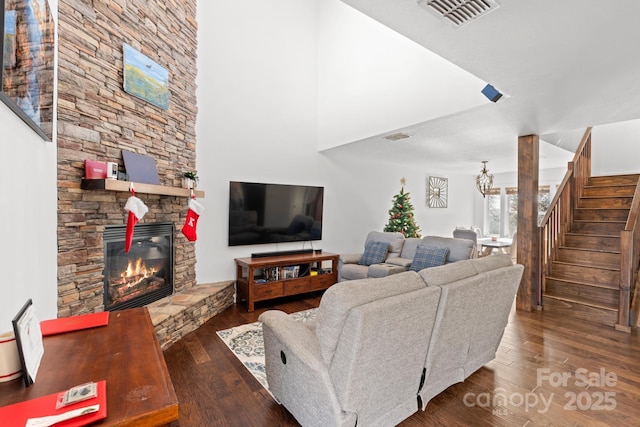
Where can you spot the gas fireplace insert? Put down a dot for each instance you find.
(145, 273)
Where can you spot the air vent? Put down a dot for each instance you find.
(397, 136)
(459, 12)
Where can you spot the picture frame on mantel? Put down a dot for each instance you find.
(27, 56)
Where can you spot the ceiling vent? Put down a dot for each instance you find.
(397, 136)
(459, 12)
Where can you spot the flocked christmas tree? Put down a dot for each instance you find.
(401, 215)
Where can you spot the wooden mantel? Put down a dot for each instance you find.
(115, 185)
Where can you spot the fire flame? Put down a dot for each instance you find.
(135, 274)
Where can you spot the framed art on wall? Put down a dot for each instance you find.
(145, 78)
(27, 72)
(437, 192)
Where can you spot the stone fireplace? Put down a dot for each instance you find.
(142, 275)
(96, 120)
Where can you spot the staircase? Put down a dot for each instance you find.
(583, 276)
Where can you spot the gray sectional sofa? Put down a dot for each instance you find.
(400, 254)
(381, 348)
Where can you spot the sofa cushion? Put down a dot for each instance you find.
(410, 246)
(401, 262)
(492, 262)
(459, 249)
(353, 272)
(428, 256)
(374, 253)
(384, 269)
(394, 239)
(449, 273)
(338, 300)
(438, 276)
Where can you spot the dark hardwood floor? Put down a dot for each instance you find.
(549, 371)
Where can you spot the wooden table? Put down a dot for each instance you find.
(488, 245)
(126, 354)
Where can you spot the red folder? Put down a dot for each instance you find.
(74, 323)
(95, 170)
(16, 415)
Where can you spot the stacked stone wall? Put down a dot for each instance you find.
(97, 119)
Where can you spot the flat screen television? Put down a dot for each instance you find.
(274, 213)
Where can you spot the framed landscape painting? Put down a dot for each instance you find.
(27, 72)
(145, 78)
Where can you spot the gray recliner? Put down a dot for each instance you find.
(362, 362)
(381, 346)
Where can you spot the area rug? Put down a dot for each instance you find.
(247, 343)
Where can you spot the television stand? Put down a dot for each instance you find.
(266, 278)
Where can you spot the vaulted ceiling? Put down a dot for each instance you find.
(562, 65)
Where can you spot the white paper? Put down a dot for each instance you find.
(31, 341)
(55, 419)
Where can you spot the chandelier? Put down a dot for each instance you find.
(484, 181)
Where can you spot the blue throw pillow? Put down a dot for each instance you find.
(428, 256)
(374, 253)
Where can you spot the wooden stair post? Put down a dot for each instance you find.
(528, 243)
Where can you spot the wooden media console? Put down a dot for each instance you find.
(265, 278)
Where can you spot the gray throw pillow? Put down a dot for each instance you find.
(374, 253)
(428, 256)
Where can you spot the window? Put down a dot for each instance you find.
(501, 209)
(493, 211)
(512, 210)
(544, 200)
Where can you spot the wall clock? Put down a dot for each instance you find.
(437, 192)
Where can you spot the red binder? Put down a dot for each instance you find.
(95, 170)
(16, 415)
(74, 323)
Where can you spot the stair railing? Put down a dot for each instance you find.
(557, 220)
(629, 262)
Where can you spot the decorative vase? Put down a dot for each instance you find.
(188, 183)
(9, 359)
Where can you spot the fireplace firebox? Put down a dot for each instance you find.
(145, 273)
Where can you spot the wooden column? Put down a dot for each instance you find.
(528, 237)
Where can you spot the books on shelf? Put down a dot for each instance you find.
(290, 271)
(271, 273)
(279, 273)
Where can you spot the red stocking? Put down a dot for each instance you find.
(136, 209)
(194, 212)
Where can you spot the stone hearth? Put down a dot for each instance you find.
(175, 316)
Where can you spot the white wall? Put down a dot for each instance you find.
(364, 193)
(615, 148)
(28, 218)
(257, 102)
(258, 85)
(373, 80)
